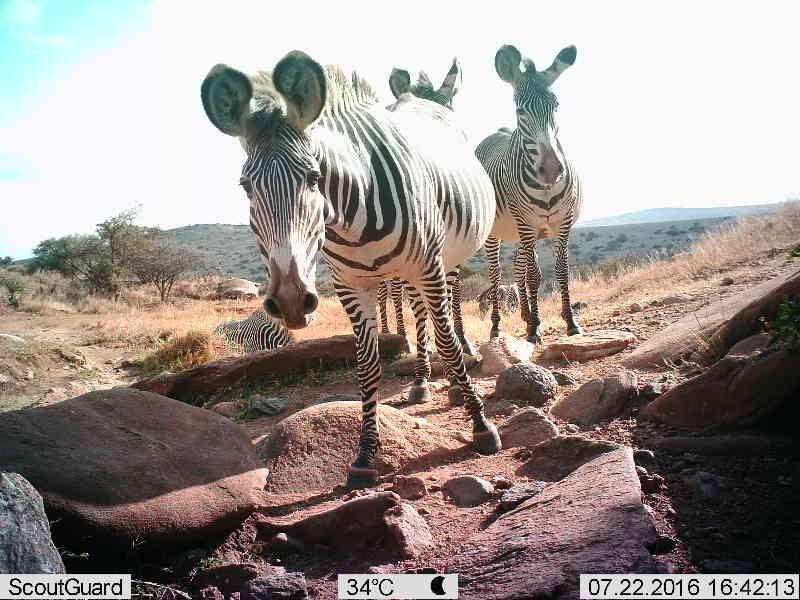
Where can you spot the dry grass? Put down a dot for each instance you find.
(183, 352)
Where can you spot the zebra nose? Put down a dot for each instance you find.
(310, 303)
(272, 308)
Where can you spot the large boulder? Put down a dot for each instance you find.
(735, 390)
(588, 346)
(503, 351)
(526, 383)
(598, 400)
(556, 458)
(237, 289)
(25, 543)
(121, 465)
(593, 521)
(527, 427)
(311, 450)
(711, 331)
(194, 385)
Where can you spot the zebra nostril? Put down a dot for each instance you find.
(310, 303)
(272, 308)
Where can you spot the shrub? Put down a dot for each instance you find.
(14, 288)
(180, 353)
(785, 328)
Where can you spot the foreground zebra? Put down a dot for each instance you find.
(538, 191)
(508, 296)
(383, 194)
(255, 333)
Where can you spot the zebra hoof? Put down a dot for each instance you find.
(536, 340)
(359, 478)
(454, 396)
(575, 330)
(494, 333)
(487, 442)
(419, 394)
(468, 348)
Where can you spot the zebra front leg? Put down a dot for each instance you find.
(521, 261)
(360, 308)
(420, 391)
(492, 248)
(533, 282)
(454, 286)
(561, 267)
(485, 438)
(383, 292)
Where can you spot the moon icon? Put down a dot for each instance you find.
(437, 585)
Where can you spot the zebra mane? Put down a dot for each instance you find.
(344, 91)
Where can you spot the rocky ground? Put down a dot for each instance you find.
(596, 483)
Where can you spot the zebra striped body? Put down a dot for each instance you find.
(255, 333)
(508, 299)
(538, 190)
(384, 194)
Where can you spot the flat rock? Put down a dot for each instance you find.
(25, 542)
(526, 383)
(209, 378)
(226, 409)
(598, 400)
(735, 390)
(337, 398)
(503, 351)
(749, 345)
(588, 346)
(595, 520)
(527, 427)
(719, 325)
(519, 493)
(286, 586)
(268, 406)
(468, 490)
(311, 450)
(230, 577)
(564, 379)
(159, 470)
(405, 366)
(676, 299)
(556, 458)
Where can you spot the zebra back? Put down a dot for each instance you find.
(255, 333)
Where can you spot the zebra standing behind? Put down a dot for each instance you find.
(255, 333)
(538, 191)
(384, 194)
(508, 299)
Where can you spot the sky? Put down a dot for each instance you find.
(669, 104)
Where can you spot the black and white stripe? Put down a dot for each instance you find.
(255, 333)
(508, 296)
(384, 194)
(538, 191)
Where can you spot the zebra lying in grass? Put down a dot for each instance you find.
(255, 333)
(508, 300)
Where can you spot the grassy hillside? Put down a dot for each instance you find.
(660, 215)
(232, 248)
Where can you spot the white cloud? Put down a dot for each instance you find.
(664, 106)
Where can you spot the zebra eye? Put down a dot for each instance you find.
(245, 183)
(312, 177)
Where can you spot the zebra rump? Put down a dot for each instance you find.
(508, 300)
(255, 333)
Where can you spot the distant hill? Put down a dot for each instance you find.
(663, 215)
(232, 248)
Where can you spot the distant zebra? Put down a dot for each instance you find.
(509, 299)
(255, 333)
(538, 190)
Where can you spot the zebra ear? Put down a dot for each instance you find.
(226, 95)
(452, 81)
(564, 60)
(506, 63)
(302, 82)
(399, 82)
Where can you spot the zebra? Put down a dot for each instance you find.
(255, 333)
(508, 295)
(538, 191)
(383, 195)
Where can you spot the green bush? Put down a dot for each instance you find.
(785, 328)
(14, 288)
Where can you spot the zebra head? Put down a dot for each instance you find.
(536, 104)
(400, 83)
(271, 114)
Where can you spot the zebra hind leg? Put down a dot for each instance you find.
(454, 285)
(420, 392)
(360, 307)
(383, 292)
(492, 248)
(561, 266)
(485, 438)
(396, 287)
